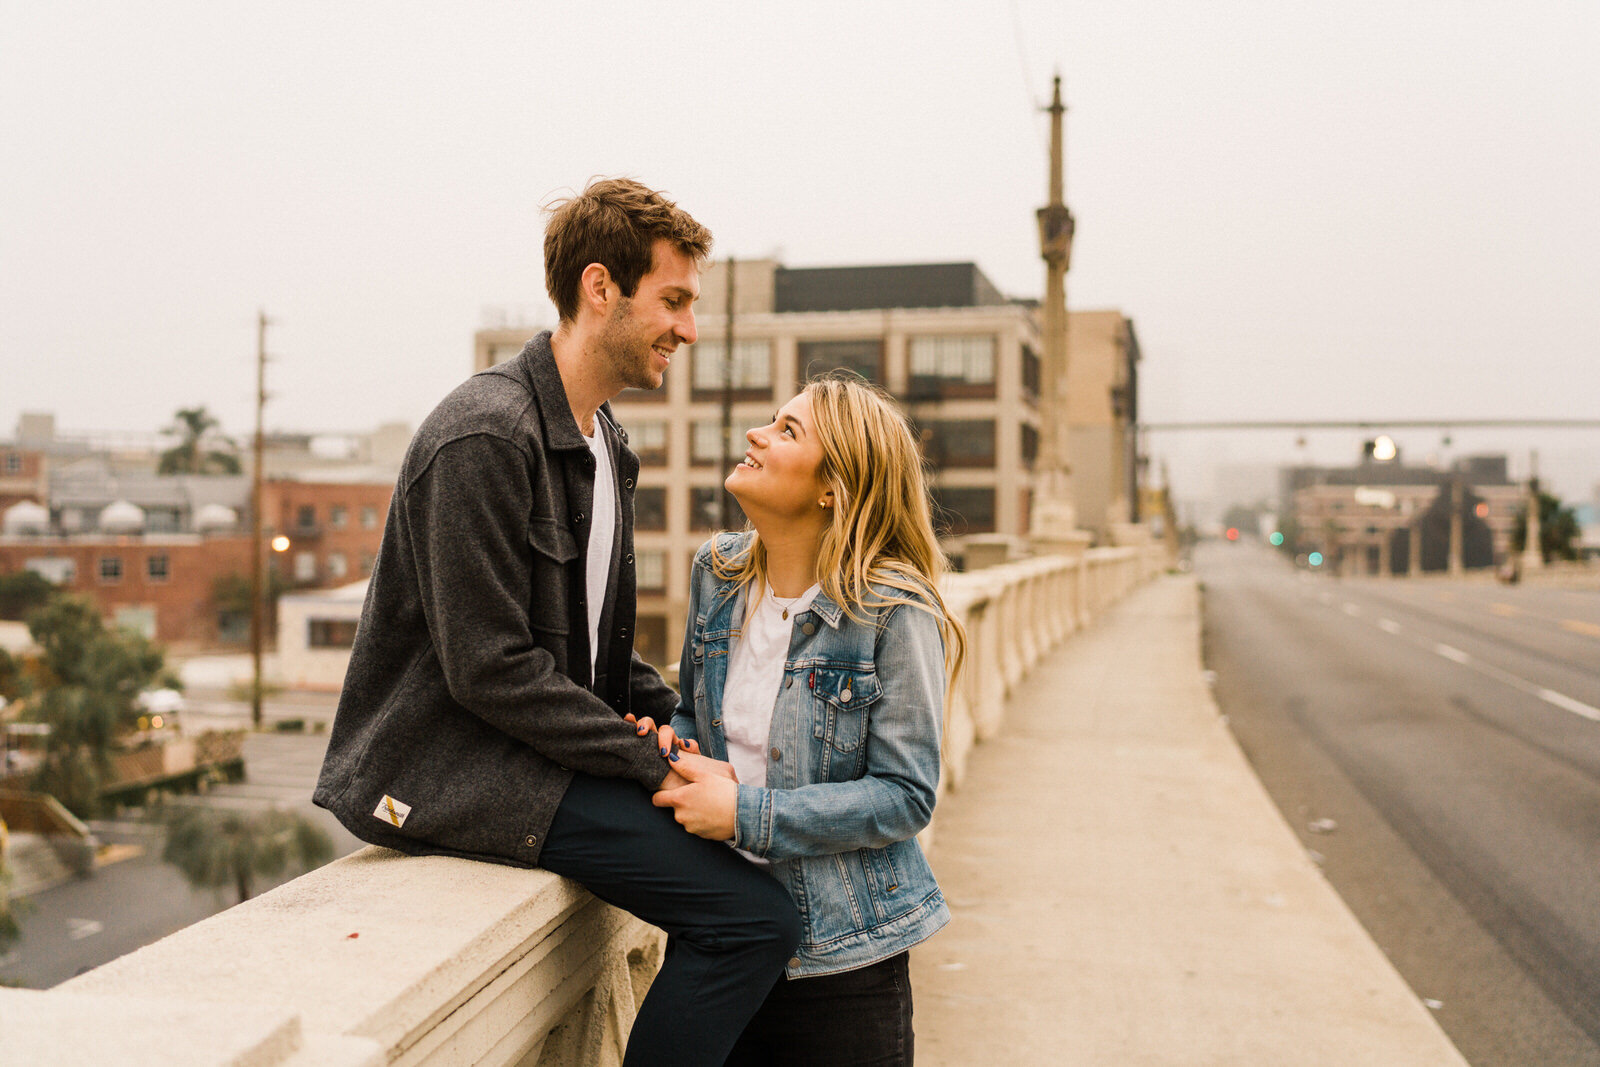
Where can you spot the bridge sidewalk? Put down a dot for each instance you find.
(1124, 891)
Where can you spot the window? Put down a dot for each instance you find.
(338, 565)
(338, 516)
(648, 440)
(705, 509)
(305, 566)
(162, 520)
(1030, 373)
(650, 508)
(651, 570)
(958, 442)
(369, 518)
(305, 516)
(752, 368)
(330, 633)
(958, 512)
(158, 568)
(57, 569)
(13, 463)
(1030, 445)
(864, 357)
(111, 568)
(705, 441)
(951, 366)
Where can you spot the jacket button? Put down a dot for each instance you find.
(531, 840)
(808, 629)
(622, 631)
(576, 519)
(630, 558)
(628, 484)
(776, 753)
(794, 961)
(845, 696)
(716, 722)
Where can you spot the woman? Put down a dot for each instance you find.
(814, 662)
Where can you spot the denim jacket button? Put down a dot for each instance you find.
(794, 961)
(808, 629)
(776, 753)
(845, 696)
(716, 722)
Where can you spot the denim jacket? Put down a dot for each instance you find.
(852, 765)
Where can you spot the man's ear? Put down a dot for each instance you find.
(596, 289)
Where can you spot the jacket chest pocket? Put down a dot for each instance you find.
(843, 705)
(554, 549)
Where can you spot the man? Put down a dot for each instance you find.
(482, 714)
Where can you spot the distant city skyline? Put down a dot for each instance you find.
(1307, 214)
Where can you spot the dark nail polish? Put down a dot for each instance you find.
(663, 751)
(673, 757)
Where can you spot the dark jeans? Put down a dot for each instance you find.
(731, 927)
(859, 1018)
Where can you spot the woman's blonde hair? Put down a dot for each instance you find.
(881, 527)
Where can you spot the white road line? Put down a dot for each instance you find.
(1449, 652)
(1352, 609)
(1388, 626)
(1566, 703)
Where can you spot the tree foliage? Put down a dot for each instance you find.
(216, 847)
(1558, 529)
(83, 685)
(23, 593)
(193, 453)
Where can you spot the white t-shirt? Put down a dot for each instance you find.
(602, 535)
(755, 671)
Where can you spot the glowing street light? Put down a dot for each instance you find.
(280, 543)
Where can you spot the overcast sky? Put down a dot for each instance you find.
(1310, 211)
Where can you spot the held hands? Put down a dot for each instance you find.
(703, 792)
(707, 804)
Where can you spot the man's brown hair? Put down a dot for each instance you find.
(614, 222)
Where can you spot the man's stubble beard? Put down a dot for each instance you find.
(627, 357)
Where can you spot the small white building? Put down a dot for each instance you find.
(315, 633)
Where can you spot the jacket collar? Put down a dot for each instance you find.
(728, 608)
(550, 394)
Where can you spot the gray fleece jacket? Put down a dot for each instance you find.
(468, 702)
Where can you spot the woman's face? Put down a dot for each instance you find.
(778, 475)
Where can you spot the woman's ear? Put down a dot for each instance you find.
(827, 499)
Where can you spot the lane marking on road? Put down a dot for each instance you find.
(1388, 626)
(1352, 609)
(1578, 626)
(1566, 703)
(1451, 652)
(78, 929)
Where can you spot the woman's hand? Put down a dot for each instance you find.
(708, 805)
(669, 740)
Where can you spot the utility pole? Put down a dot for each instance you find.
(257, 518)
(1532, 534)
(1056, 227)
(725, 499)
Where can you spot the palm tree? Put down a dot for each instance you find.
(214, 847)
(189, 455)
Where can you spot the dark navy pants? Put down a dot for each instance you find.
(731, 927)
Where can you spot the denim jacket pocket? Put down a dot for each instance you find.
(844, 700)
(554, 548)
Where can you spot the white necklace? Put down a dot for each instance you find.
(785, 603)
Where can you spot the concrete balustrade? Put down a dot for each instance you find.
(379, 958)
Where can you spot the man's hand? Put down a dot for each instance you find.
(708, 805)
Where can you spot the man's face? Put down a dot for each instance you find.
(642, 333)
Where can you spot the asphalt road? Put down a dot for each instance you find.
(136, 899)
(1436, 745)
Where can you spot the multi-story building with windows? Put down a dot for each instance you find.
(962, 358)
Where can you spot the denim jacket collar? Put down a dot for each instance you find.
(727, 609)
